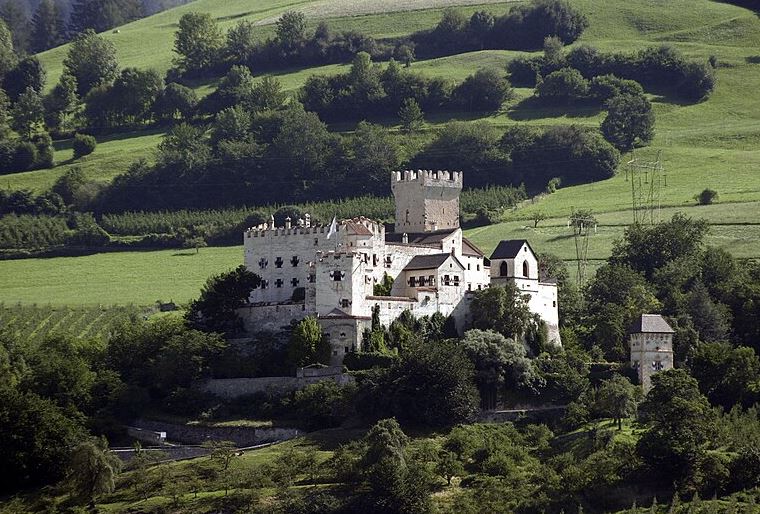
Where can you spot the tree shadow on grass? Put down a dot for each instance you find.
(184, 254)
(754, 59)
(67, 144)
(534, 108)
(561, 237)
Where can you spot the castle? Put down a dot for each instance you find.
(331, 271)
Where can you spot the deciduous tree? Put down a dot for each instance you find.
(198, 42)
(91, 60)
(93, 469)
(629, 122)
(215, 309)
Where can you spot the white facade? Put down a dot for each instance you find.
(515, 261)
(311, 270)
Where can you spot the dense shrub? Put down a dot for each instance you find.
(661, 67)
(357, 361)
(605, 87)
(83, 144)
(707, 196)
(486, 90)
(562, 86)
(25, 156)
(570, 153)
(524, 27)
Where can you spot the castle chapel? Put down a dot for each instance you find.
(331, 271)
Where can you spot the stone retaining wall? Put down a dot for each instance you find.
(230, 388)
(198, 434)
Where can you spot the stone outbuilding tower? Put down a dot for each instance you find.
(651, 347)
(426, 200)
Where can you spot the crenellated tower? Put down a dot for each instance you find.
(426, 200)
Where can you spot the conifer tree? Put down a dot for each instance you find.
(410, 115)
(14, 16)
(7, 56)
(47, 27)
(28, 113)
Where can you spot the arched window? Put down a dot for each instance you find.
(503, 269)
(526, 269)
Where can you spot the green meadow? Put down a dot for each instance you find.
(121, 278)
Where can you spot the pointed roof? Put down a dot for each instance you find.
(353, 226)
(509, 248)
(433, 261)
(651, 323)
(469, 248)
(340, 314)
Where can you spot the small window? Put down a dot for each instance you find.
(345, 349)
(278, 282)
(343, 334)
(263, 263)
(657, 365)
(478, 267)
(526, 268)
(312, 279)
(344, 303)
(335, 352)
(264, 284)
(503, 269)
(411, 282)
(294, 260)
(294, 282)
(316, 241)
(468, 266)
(278, 262)
(337, 276)
(431, 280)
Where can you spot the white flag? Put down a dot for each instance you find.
(333, 228)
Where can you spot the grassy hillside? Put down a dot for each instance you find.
(696, 139)
(149, 42)
(123, 278)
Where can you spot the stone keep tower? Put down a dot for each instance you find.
(651, 347)
(426, 200)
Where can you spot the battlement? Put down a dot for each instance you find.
(265, 230)
(338, 255)
(306, 228)
(428, 177)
